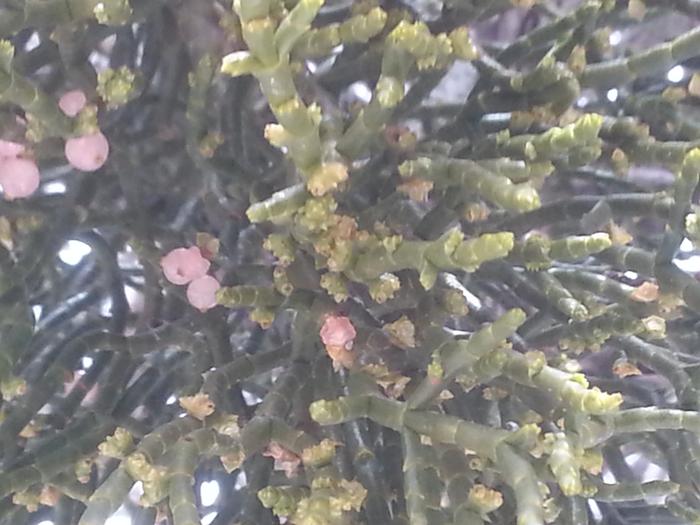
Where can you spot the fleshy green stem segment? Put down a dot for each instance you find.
(107, 498)
(358, 29)
(564, 466)
(280, 206)
(16, 326)
(492, 443)
(407, 45)
(473, 176)
(245, 295)
(686, 182)
(422, 485)
(537, 252)
(521, 477)
(52, 462)
(181, 498)
(560, 297)
(634, 491)
(637, 420)
(270, 42)
(48, 13)
(568, 390)
(558, 28)
(650, 62)
(15, 89)
(449, 252)
(670, 277)
(578, 142)
(456, 356)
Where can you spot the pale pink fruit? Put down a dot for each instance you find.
(87, 153)
(72, 102)
(9, 149)
(19, 177)
(201, 293)
(184, 265)
(338, 331)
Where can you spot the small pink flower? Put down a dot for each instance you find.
(284, 459)
(87, 153)
(338, 331)
(435, 381)
(201, 293)
(10, 149)
(19, 177)
(72, 102)
(184, 265)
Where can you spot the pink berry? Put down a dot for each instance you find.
(338, 331)
(72, 102)
(19, 177)
(87, 153)
(184, 265)
(10, 149)
(201, 293)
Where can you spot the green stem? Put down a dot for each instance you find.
(48, 465)
(496, 188)
(663, 362)
(15, 89)
(107, 498)
(634, 491)
(422, 486)
(585, 14)
(670, 277)
(51, 13)
(522, 479)
(647, 419)
(654, 60)
(457, 355)
(181, 498)
(686, 182)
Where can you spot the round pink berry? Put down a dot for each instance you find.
(72, 102)
(338, 331)
(87, 153)
(10, 149)
(201, 293)
(19, 177)
(184, 265)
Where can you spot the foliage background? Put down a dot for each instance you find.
(83, 252)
